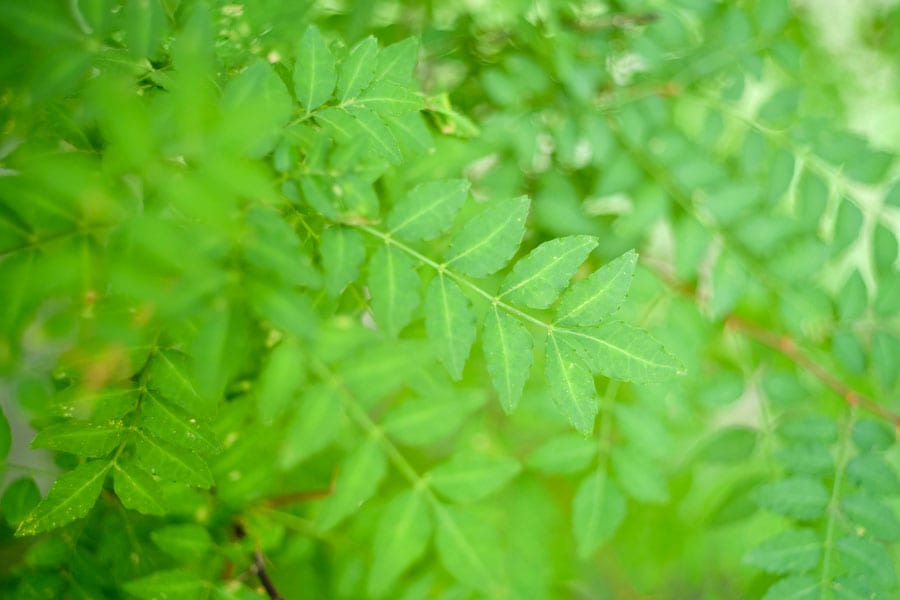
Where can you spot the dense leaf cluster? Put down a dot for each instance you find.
(458, 300)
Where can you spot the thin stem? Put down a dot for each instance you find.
(833, 508)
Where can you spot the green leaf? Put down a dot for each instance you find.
(798, 587)
(380, 138)
(272, 247)
(314, 70)
(175, 464)
(450, 324)
(472, 477)
(401, 538)
(5, 436)
(394, 285)
(19, 498)
(284, 308)
(187, 542)
(280, 380)
(428, 420)
(488, 240)
(537, 280)
(396, 63)
(794, 551)
(799, 497)
(358, 479)
(729, 445)
(173, 584)
(601, 294)
(867, 558)
(571, 385)
(145, 23)
(357, 69)
(313, 426)
(170, 375)
(563, 454)
(428, 209)
(342, 251)
(874, 474)
(624, 352)
(639, 475)
(597, 512)
(873, 434)
(508, 353)
(171, 425)
(874, 517)
(385, 98)
(80, 438)
(137, 489)
(70, 498)
(256, 106)
(470, 549)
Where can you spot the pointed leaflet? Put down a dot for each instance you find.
(571, 385)
(487, 242)
(566, 453)
(280, 379)
(401, 537)
(173, 463)
(538, 279)
(797, 587)
(470, 549)
(471, 477)
(394, 285)
(70, 498)
(428, 209)
(621, 351)
(429, 419)
(450, 324)
(313, 426)
(868, 559)
(395, 63)
(872, 516)
(80, 438)
(386, 98)
(794, 551)
(798, 497)
(597, 512)
(507, 347)
(314, 71)
(170, 374)
(358, 478)
(592, 299)
(172, 584)
(342, 251)
(357, 69)
(639, 476)
(136, 489)
(380, 138)
(19, 498)
(172, 425)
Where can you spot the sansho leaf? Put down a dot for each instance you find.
(357, 69)
(358, 478)
(571, 385)
(489, 239)
(450, 323)
(173, 584)
(599, 295)
(343, 251)
(396, 62)
(401, 537)
(70, 498)
(538, 279)
(624, 352)
(428, 209)
(380, 138)
(508, 352)
(80, 438)
(799, 497)
(137, 489)
(469, 548)
(794, 551)
(471, 477)
(314, 71)
(176, 464)
(172, 425)
(394, 285)
(597, 512)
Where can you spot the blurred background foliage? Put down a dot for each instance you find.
(162, 203)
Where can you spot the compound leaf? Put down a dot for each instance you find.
(538, 279)
(428, 209)
(624, 352)
(394, 285)
(357, 70)
(314, 70)
(488, 240)
(571, 385)
(599, 295)
(70, 498)
(80, 438)
(137, 489)
(450, 323)
(508, 353)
